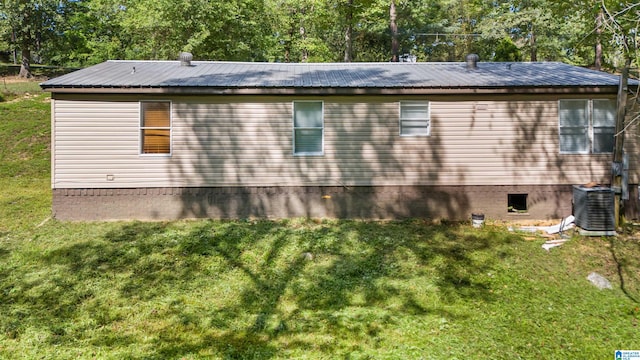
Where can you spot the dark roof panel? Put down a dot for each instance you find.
(233, 75)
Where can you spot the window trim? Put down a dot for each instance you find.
(590, 128)
(593, 125)
(589, 137)
(428, 119)
(142, 128)
(294, 128)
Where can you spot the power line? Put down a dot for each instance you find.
(445, 34)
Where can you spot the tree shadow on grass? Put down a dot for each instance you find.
(3, 252)
(624, 252)
(51, 290)
(241, 289)
(438, 254)
(350, 286)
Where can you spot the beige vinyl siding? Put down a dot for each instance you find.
(247, 141)
(94, 139)
(472, 143)
(53, 141)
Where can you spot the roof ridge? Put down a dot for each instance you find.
(372, 75)
(372, 63)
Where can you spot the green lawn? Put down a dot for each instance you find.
(299, 288)
(12, 90)
(36, 70)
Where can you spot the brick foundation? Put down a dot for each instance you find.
(371, 202)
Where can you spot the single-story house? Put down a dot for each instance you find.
(191, 139)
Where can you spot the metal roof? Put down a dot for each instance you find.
(170, 75)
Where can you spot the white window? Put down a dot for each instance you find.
(414, 118)
(586, 126)
(155, 127)
(574, 126)
(308, 128)
(604, 125)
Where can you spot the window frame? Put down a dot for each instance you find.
(295, 128)
(427, 119)
(141, 129)
(599, 126)
(588, 126)
(590, 133)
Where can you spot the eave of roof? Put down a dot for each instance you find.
(332, 91)
(169, 77)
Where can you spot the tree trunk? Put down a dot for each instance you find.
(348, 33)
(15, 47)
(618, 149)
(597, 63)
(288, 45)
(394, 31)
(25, 68)
(304, 51)
(534, 49)
(25, 41)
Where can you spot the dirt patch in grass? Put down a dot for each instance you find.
(26, 96)
(13, 88)
(18, 79)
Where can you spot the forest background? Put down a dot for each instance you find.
(78, 33)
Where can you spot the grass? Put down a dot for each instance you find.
(310, 289)
(13, 88)
(24, 159)
(298, 288)
(36, 70)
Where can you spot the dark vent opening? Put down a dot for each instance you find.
(517, 203)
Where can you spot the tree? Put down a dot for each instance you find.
(160, 29)
(348, 32)
(597, 60)
(393, 25)
(371, 36)
(308, 30)
(506, 50)
(82, 32)
(98, 29)
(17, 16)
(443, 30)
(580, 32)
(35, 27)
(535, 26)
(622, 20)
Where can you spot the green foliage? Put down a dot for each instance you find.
(84, 32)
(622, 24)
(298, 288)
(37, 28)
(506, 50)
